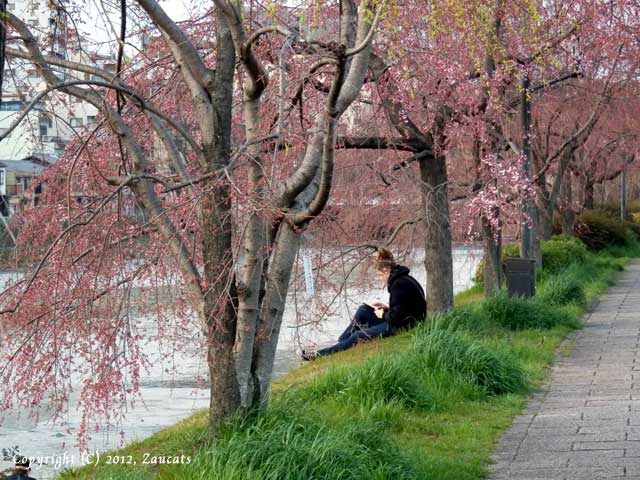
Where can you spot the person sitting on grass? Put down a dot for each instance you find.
(407, 306)
(20, 471)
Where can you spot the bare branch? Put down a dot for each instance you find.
(185, 50)
(546, 47)
(378, 143)
(144, 190)
(262, 31)
(366, 42)
(582, 134)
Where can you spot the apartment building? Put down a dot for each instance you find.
(48, 128)
(41, 137)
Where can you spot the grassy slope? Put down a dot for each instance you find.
(449, 436)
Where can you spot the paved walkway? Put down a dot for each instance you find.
(585, 424)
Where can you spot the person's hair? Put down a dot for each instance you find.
(384, 259)
(22, 461)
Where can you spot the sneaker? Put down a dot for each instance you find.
(308, 355)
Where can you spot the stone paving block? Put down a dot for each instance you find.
(611, 402)
(605, 436)
(571, 412)
(548, 420)
(594, 473)
(535, 474)
(523, 419)
(541, 460)
(548, 444)
(607, 445)
(605, 413)
(634, 418)
(553, 431)
(632, 470)
(633, 436)
(563, 473)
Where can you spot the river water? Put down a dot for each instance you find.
(168, 398)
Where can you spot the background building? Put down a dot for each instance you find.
(47, 129)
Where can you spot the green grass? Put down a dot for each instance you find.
(490, 367)
(380, 379)
(425, 404)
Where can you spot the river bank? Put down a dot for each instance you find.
(426, 404)
(171, 397)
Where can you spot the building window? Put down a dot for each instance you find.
(91, 120)
(45, 124)
(75, 122)
(1, 177)
(14, 106)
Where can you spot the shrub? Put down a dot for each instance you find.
(634, 206)
(379, 379)
(563, 289)
(518, 313)
(597, 229)
(633, 227)
(566, 239)
(612, 209)
(561, 251)
(455, 351)
(557, 254)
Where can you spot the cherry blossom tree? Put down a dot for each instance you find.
(196, 175)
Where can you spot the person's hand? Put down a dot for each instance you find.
(384, 306)
(379, 312)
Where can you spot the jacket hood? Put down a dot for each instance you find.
(396, 272)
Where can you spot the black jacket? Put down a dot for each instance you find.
(17, 475)
(407, 304)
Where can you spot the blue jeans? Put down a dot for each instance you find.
(364, 326)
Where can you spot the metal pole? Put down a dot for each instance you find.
(527, 225)
(623, 192)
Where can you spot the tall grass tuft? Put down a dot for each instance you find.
(378, 379)
(280, 446)
(563, 289)
(515, 313)
(492, 368)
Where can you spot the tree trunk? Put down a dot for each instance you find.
(552, 199)
(438, 259)
(255, 256)
(271, 313)
(587, 203)
(546, 225)
(218, 307)
(492, 257)
(568, 214)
